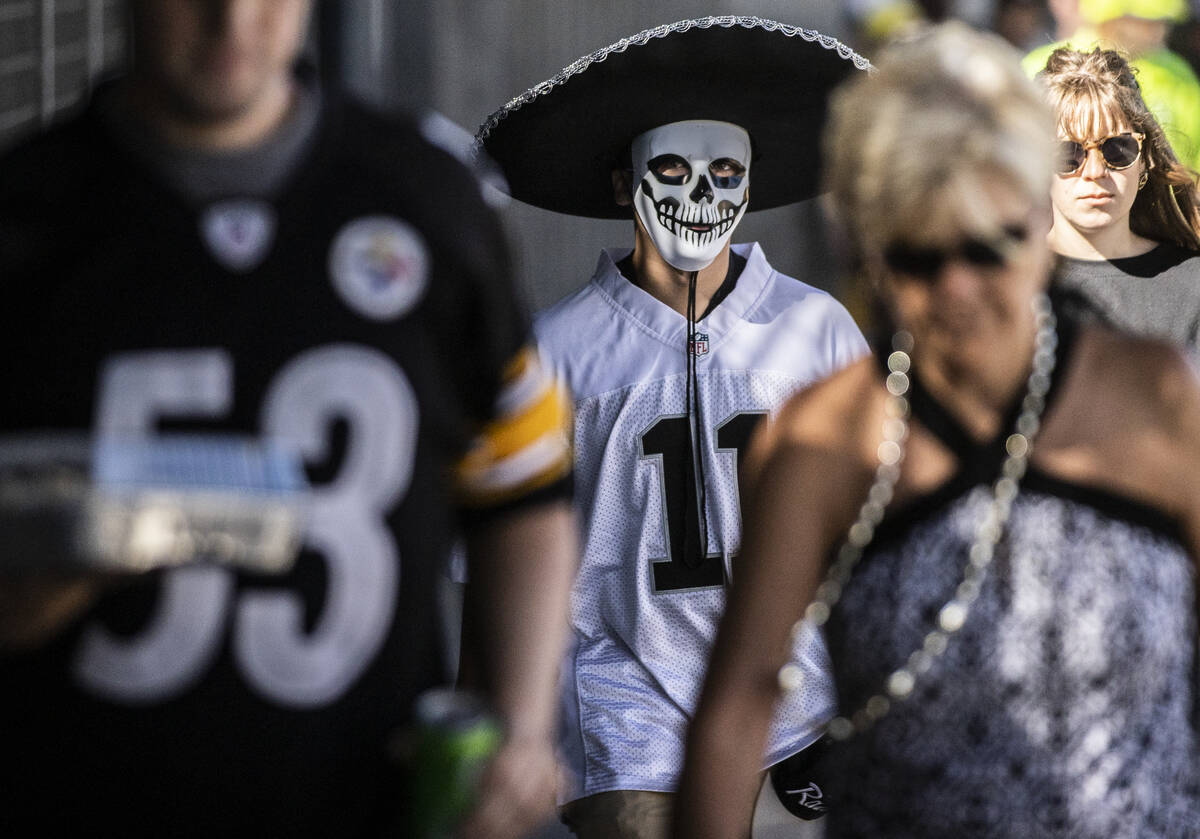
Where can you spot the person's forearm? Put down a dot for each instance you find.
(515, 628)
(725, 748)
(522, 568)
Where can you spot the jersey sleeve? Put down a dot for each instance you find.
(848, 344)
(524, 451)
(516, 446)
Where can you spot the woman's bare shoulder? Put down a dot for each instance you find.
(832, 416)
(824, 435)
(1135, 403)
(1165, 382)
(832, 411)
(1144, 373)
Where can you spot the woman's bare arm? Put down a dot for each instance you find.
(802, 484)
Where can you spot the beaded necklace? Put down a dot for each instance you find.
(953, 614)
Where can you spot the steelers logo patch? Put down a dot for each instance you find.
(379, 266)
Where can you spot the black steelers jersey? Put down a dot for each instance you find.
(364, 313)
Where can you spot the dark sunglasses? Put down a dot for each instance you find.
(976, 251)
(1119, 151)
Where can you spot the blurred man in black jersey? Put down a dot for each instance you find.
(217, 244)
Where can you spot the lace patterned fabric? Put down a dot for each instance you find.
(1063, 708)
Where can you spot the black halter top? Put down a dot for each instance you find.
(1065, 707)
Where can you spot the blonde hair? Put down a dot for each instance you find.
(1093, 94)
(944, 112)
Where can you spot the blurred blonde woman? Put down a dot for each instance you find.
(1126, 213)
(994, 517)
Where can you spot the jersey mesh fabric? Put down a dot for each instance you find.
(643, 621)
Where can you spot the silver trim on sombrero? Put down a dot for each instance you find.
(726, 21)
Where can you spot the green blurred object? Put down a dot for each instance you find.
(886, 20)
(455, 737)
(1099, 11)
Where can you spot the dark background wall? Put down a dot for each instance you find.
(49, 53)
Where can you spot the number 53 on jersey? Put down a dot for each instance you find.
(198, 606)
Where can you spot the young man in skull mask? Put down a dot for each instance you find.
(673, 352)
(220, 247)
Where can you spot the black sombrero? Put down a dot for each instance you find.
(558, 141)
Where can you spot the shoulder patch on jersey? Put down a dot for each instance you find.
(379, 266)
(239, 232)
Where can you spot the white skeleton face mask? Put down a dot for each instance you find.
(694, 177)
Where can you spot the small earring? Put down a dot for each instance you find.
(1143, 180)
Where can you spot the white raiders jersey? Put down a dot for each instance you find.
(644, 613)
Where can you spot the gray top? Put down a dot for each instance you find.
(1157, 293)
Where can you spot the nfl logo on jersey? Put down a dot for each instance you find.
(699, 344)
(239, 233)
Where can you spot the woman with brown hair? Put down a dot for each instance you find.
(1126, 212)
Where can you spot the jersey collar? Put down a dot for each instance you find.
(668, 325)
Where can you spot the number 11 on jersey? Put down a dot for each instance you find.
(668, 442)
